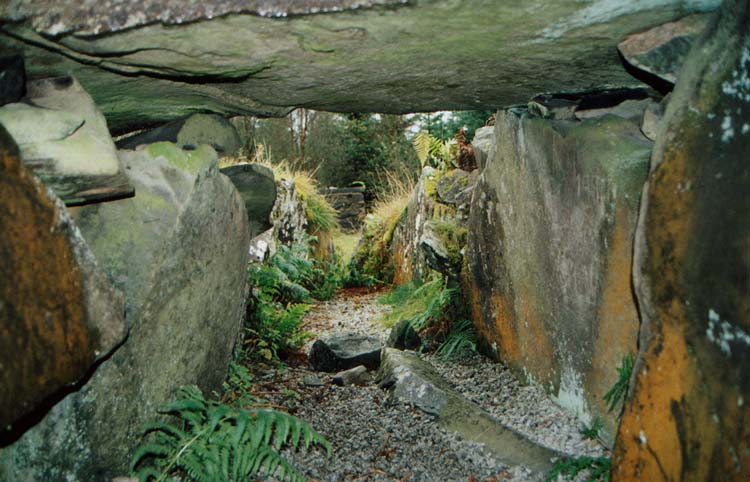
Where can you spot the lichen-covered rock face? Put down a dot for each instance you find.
(689, 415)
(289, 214)
(396, 59)
(178, 252)
(58, 311)
(409, 260)
(548, 260)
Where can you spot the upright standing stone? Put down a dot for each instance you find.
(549, 255)
(689, 415)
(178, 252)
(59, 313)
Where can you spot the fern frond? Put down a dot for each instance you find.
(149, 450)
(422, 145)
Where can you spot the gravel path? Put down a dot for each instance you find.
(377, 439)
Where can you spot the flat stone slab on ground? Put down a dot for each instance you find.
(342, 351)
(415, 381)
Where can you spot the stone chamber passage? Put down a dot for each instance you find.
(374, 240)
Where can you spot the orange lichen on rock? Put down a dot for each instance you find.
(617, 315)
(44, 342)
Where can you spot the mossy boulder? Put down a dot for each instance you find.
(189, 133)
(178, 252)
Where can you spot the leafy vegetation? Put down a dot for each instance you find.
(282, 291)
(598, 468)
(211, 441)
(342, 149)
(435, 152)
(443, 125)
(427, 305)
(592, 432)
(461, 338)
(619, 391)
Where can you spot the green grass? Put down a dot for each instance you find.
(461, 338)
(346, 245)
(619, 391)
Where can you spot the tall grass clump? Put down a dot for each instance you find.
(372, 260)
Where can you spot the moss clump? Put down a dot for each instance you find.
(191, 161)
(452, 236)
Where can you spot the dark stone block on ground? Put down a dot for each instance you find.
(344, 351)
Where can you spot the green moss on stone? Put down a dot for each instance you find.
(191, 161)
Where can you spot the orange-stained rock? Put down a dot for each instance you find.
(549, 252)
(688, 417)
(58, 312)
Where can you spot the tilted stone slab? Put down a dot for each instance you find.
(414, 381)
(59, 314)
(661, 50)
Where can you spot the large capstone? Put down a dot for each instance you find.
(410, 57)
(178, 252)
(59, 313)
(689, 414)
(549, 254)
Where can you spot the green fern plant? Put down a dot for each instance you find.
(598, 468)
(433, 151)
(213, 442)
(461, 338)
(619, 391)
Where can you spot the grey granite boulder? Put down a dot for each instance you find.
(353, 376)
(342, 351)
